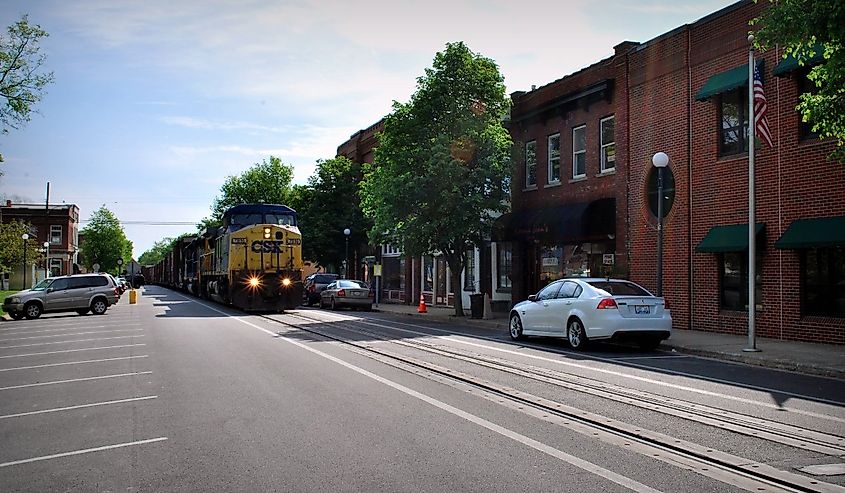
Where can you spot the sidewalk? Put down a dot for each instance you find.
(815, 359)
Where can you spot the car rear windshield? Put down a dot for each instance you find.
(620, 288)
(325, 278)
(352, 284)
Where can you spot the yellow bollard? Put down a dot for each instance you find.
(133, 297)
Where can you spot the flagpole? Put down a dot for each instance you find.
(752, 303)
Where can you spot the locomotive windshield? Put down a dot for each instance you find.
(242, 220)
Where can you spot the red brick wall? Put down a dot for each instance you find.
(793, 180)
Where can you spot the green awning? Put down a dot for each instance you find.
(725, 81)
(813, 233)
(733, 238)
(790, 63)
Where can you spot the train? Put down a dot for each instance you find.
(253, 261)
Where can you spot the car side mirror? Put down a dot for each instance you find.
(50, 290)
(532, 297)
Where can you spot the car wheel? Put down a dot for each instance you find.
(16, 315)
(99, 306)
(32, 310)
(649, 343)
(576, 335)
(83, 311)
(334, 305)
(516, 327)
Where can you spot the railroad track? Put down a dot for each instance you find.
(722, 466)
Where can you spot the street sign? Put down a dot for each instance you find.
(377, 270)
(608, 259)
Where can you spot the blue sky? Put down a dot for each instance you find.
(156, 102)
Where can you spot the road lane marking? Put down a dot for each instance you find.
(70, 351)
(530, 442)
(74, 328)
(70, 342)
(80, 406)
(83, 451)
(73, 363)
(76, 334)
(56, 382)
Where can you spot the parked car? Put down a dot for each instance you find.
(589, 309)
(315, 284)
(349, 293)
(122, 284)
(80, 293)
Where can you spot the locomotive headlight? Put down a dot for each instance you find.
(286, 282)
(266, 233)
(254, 282)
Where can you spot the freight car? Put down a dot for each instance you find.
(253, 261)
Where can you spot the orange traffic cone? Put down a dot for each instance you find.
(421, 309)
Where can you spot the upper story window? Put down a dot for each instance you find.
(805, 85)
(531, 164)
(554, 159)
(608, 144)
(579, 151)
(733, 121)
(56, 234)
(390, 251)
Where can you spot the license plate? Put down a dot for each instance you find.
(642, 309)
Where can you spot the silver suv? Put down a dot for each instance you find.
(79, 293)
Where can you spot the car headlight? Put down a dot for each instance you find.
(14, 299)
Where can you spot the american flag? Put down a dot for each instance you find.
(761, 125)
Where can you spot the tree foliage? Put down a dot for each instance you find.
(328, 205)
(105, 242)
(160, 248)
(267, 182)
(801, 27)
(21, 81)
(442, 167)
(12, 245)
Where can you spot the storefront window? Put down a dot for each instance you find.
(428, 273)
(469, 272)
(551, 262)
(824, 282)
(504, 262)
(734, 285)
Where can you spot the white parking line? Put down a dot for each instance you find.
(56, 382)
(70, 351)
(77, 328)
(69, 342)
(76, 334)
(83, 451)
(73, 363)
(81, 406)
(44, 323)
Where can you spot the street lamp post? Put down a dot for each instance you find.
(346, 233)
(47, 259)
(24, 237)
(660, 160)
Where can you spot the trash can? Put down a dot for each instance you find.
(476, 305)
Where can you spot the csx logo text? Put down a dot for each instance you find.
(267, 246)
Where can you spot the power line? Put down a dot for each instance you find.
(153, 223)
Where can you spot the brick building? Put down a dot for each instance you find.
(687, 96)
(57, 225)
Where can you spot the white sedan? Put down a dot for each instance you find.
(588, 309)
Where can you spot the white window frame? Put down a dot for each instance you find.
(553, 159)
(390, 251)
(606, 164)
(528, 164)
(579, 152)
(53, 229)
(55, 263)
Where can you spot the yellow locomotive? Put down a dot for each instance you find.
(254, 260)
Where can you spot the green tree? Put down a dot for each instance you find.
(21, 82)
(329, 204)
(801, 27)
(267, 182)
(12, 246)
(443, 165)
(156, 252)
(105, 242)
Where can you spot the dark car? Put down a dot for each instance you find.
(315, 284)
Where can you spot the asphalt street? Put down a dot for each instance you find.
(180, 394)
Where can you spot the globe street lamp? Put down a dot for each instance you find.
(346, 233)
(46, 259)
(24, 237)
(660, 161)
